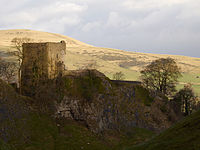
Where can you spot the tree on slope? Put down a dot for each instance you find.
(8, 71)
(17, 45)
(186, 99)
(161, 75)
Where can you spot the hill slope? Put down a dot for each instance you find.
(23, 126)
(7, 35)
(106, 60)
(184, 135)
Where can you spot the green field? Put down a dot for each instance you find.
(185, 79)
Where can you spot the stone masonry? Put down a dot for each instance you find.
(41, 61)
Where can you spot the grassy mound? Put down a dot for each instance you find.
(184, 135)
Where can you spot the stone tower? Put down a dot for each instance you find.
(41, 61)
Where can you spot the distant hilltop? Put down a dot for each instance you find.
(7, 35)
(107, 60)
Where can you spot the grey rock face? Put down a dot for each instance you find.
(117, 106)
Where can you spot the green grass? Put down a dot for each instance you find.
(186, 78)
(131, 137)
(185, 135)
(129, 75)
(4, 146)
(190, 78)
(76, 137)
(43, 133)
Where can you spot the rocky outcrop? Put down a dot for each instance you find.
(90, 97)
(84, 96)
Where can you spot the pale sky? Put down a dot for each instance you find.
(152, 26)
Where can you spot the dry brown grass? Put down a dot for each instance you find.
(108, 60)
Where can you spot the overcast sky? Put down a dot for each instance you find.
(153, 26)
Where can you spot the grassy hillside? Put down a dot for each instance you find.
(106, 60)
(23, 127)
(185, 135)
(41, 133)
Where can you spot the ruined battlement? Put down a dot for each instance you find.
(41, 61)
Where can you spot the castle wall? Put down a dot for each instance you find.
(41, 61)
(55, 54)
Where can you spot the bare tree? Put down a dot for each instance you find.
(17, 45)
(118, 76)
(8, 71)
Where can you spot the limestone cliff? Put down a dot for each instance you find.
(89, 97)
(61, 109)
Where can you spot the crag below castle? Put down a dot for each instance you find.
(88, 96)
(66, 108)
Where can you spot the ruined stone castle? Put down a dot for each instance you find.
(41, 61)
